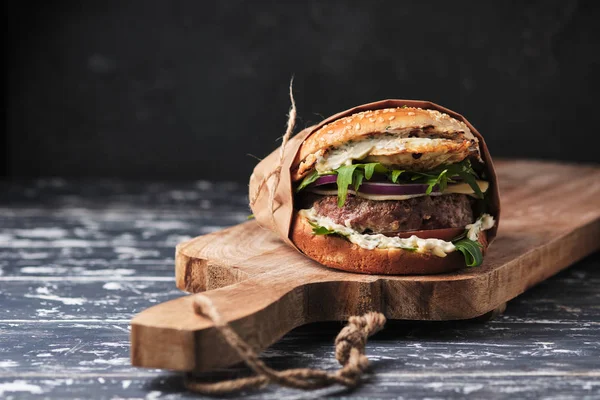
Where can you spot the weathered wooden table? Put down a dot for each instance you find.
(79, 259)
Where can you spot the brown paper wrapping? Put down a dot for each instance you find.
(279, 218)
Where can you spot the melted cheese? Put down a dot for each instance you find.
(436, 247)
(464, 188)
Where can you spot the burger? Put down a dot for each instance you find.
(398, 190)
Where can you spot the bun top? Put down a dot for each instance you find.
(403, 122)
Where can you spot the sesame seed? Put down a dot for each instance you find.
(372, 119)
(391, 118)
(380, 119)
(411, 113)
(357, 126)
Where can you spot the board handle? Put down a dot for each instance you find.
(173, 336)
(261, 309)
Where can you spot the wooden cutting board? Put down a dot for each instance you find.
(550, 219)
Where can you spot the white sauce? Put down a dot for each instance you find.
(378, 146)
(344, 155)
(485, 222)
(436, 247)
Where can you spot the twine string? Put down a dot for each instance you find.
(349, 351)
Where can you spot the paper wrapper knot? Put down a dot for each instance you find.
(271, 191)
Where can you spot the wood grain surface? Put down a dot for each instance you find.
(550, 219)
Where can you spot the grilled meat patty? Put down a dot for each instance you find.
(419, 213)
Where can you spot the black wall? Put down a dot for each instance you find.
(187, 89)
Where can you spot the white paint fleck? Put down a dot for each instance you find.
(8, 364)
(155, 394)
(44, 312)
(113, 286)
(565, 351)
(44, 355)
(95, 352)
(545, 345)
(162, 225)
(5, 239)
(61, 350)
(61, 243)
(468, 389)
(101, 380)
(105, 272)
(44, 294)
(19, 386)
(109, 344)
(44, 270)
(42, 233)
(126, 384)
(112, 361)
(126, 253)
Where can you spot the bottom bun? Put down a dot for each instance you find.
(337, 252)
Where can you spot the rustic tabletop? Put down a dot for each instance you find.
(79, 259)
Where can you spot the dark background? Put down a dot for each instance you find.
(187, 89)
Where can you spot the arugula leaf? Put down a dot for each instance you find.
(345, 173)
(321, 230)
(471, 251)
(470, 179)
(251, 216)
(355, 174)
(441, 176)
(441, 181)
(357, 178)
(308, 179)
(370, 170)
(396, 174)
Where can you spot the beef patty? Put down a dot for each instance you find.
(419, 213)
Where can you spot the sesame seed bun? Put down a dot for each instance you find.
(458, 141)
